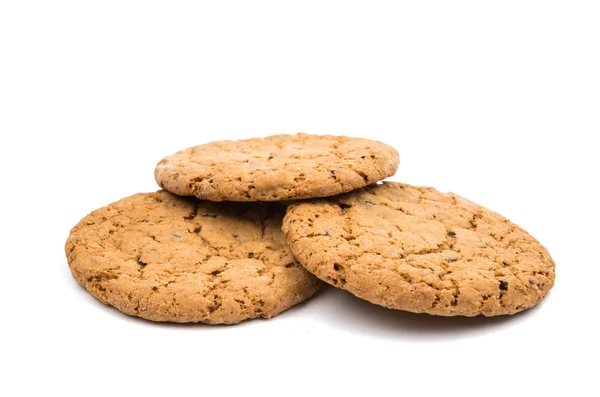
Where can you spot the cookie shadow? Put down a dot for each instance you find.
(342, 310)
(355, 315)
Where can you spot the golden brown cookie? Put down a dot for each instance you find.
(278, 167)
(416, 249)
(169, 258)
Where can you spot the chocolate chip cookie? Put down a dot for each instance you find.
(419, 250)
(278, 167)
(169, 258)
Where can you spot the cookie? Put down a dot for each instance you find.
(419, 250)
(169, 258)
(278, 167)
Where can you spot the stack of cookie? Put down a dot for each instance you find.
(247, 229)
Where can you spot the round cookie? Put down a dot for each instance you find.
(169, 258)
(419, 250)
(278, 167)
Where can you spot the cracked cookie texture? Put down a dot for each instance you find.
(169, 258)
(416, 249)
(278, 167)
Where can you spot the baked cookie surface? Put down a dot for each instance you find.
(278, 167)
(419, 250)
(169, 258)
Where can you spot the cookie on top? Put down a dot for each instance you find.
(278, 167)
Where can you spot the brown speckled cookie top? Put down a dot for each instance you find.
(278, 167)
(416, 249)
(169, 258)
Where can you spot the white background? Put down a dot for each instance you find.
(496, 101)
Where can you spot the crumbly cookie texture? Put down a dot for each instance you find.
(169, 258)
(278, 167)
(419, 250)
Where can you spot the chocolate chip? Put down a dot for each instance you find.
(504, 285)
